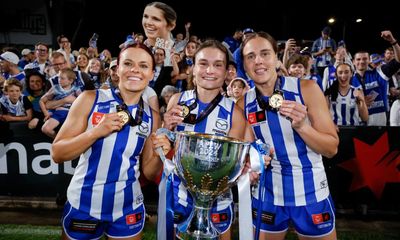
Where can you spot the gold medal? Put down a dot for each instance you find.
(185, 111)
(276, 100)
(124, 116)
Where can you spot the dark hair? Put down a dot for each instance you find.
(29, 74)
(213, 44)
(142, 46)
(297, 59)
(333, 90)
(60, 37)
(262, 35)
(169, 13)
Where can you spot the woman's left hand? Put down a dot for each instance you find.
(295, 112)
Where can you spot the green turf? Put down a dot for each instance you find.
(29, 232)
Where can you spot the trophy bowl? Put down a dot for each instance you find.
(208, 165)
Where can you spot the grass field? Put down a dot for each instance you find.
(30, 232)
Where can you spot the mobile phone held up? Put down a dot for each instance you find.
(93, 40)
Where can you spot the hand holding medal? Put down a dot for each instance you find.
(295, 112)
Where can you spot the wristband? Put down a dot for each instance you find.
(394, 43)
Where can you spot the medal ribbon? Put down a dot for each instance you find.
(133, 121)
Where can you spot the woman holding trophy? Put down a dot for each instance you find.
(205, 110)
(109, 129)
(291, 115)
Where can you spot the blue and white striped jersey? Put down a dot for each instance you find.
(105, 183)
(297, 176)
(344, 110)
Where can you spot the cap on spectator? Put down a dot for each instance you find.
(10, 57)
(375, 58)
(113, 63)
(25, 51)
(327, 30)
(341, 43)
(248, 30)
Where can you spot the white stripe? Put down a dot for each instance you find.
(101, 175)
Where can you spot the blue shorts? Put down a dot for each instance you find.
(222, 218)
(80, 225)
(60, 115)
(313, 220)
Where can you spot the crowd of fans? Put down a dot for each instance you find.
(39, 86)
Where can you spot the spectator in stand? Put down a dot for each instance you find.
(330, 71)
(237, 56)
(167, 92)
(82, 81)
(35, 89)
(233, 42)
(163, 74)
(65, 49)
(374, 83)
(82, 61)
(346, 103)
(375, 60)
(181, 42)
(323, 50)
(96, 72)
(9, 67)
(237, 88)
(105, 189)
(159, 19)
(232, 74)
(105, 58)
(41, 62)
(112, 79)
(27, 57)
(64, 89)
(15, 106)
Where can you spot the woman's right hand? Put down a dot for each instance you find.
(173, 117)
(161, 141)
(108, 124)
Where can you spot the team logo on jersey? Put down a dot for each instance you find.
(133, 218)
(256, 117)
(144, 128)
(96, 117)
(219, 217)
(221, 124)
(321, 218)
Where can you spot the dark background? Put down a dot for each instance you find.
(115, 19)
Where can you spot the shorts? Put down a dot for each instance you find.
(80, 225)
(313, 220)
(60, 115)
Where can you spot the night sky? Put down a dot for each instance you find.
(220, 18)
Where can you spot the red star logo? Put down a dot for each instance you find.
(373, 166)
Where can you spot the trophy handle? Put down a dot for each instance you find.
(170, 135)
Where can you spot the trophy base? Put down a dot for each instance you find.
(197, 227)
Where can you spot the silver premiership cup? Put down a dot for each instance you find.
(208, 165)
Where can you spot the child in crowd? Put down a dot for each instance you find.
(15, 106)
(65, 89)
(237, 88)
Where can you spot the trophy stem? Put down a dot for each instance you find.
(198, 226)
